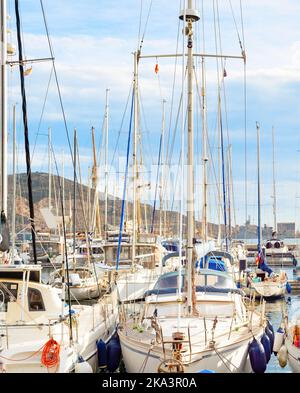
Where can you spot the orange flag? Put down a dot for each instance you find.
(156, 68)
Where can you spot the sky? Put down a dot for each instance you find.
(93, 42)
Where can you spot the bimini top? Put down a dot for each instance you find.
(215, 263)
(214, 260)
(16, 272)
(206, 281)
(217, 253)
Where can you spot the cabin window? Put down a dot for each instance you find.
(35, 300)
(8, 293)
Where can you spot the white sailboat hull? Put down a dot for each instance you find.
(139, 359)
(132, 286)
(267, 290)
(85, 292)
(22, 348)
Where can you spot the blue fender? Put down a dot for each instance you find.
(102, 354)
(267, 346)
(113, 354)
(257, 357)
(270, 334)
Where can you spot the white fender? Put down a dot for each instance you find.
(278, 340)
(282, 356)
(83, 368)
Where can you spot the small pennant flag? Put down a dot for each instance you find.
(260, 258)
(225, 73)
(156, 68)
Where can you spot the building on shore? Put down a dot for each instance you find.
(286, 229)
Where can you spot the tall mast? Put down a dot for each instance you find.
(229, 182)
(74, 196)
(114, 204)
(88, 202)
(95, 186)
(3, 94)
(13, 226)
(49, 165)
(63, 183)
(26, 131)
(106, 156)
(162, 170)
(135, 128)
(259, 232)
(274, 184)
(219, 180)
(204, 155)
(191, 15)
(63, 180)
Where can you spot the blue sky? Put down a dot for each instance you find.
(93, 43)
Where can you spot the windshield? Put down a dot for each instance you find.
(211, 280)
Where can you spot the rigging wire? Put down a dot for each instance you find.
(182, 145)
(173, 92)
(168, 155)
(236, 27)
(57, 81)
(218, 124)
(122, 123)
(142, 116)
(146, 25)
(229, 179)
(65, 246)
(140, 22)
(59, 92)
(157, 176)
(42, 115)
(125, 183)
(245, 119)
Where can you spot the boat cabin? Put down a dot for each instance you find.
(216, 294)
(23, 298)
(96, 250)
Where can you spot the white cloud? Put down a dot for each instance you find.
(93, 50)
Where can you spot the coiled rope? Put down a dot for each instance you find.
(50, 354)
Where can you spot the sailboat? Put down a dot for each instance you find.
(289, 332)
(263, 282)
(136, 257)
(36, 322)
(40, 332)
(191, 322)
(275, 247)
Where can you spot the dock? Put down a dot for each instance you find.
(284, 259)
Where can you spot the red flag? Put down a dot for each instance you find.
(156, 68)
